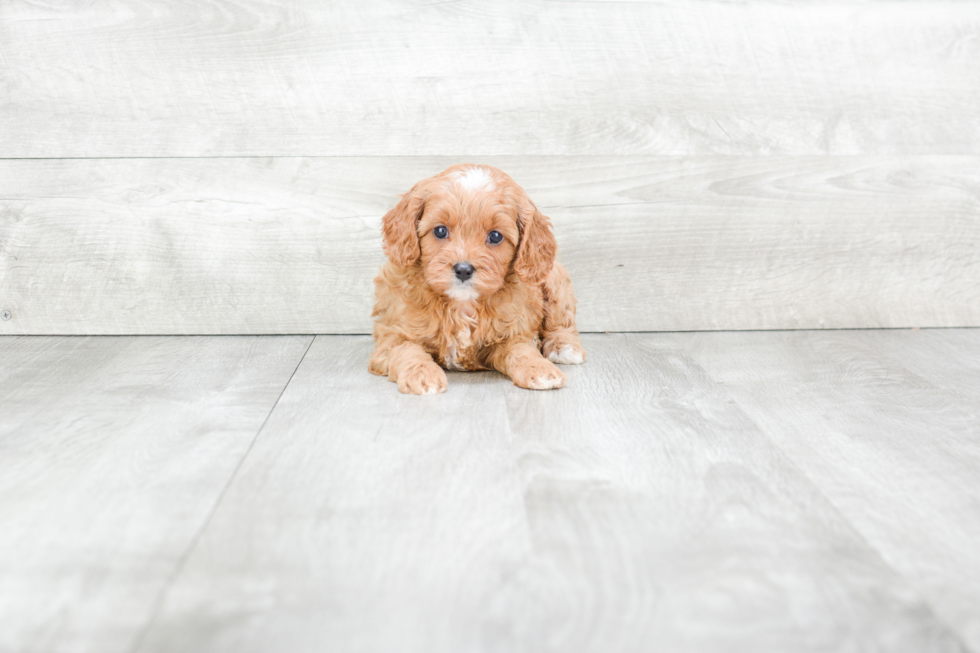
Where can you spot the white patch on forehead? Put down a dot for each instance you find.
(474, 179)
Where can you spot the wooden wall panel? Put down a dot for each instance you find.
(709, 165)
(290, 245)
(250, 77)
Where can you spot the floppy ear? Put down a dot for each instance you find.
(537, 249)
(399, 229)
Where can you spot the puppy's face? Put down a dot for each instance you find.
(468, 239)
(467, 228)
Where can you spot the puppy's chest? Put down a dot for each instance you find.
(461, 342)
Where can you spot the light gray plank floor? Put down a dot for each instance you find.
(701, 492)
(113, 453)
(887, 424)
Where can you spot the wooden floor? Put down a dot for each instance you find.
(754, 491)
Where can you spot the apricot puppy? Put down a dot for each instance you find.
(471, 283)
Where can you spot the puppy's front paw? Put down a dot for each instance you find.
(566, 354)
(424, 379)
(538, 374)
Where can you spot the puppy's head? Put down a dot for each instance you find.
(467, 228)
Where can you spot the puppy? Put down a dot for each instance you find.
(471, 283)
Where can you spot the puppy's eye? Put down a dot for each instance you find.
(440, 232)
(494, 237)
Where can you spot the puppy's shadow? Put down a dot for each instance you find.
(494, 379)
(484, 377)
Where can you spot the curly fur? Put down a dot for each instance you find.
(515, 315)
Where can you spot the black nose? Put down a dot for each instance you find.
(463, 271)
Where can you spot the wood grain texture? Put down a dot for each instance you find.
(887, 425)
(637, 509)
(113, 453)
(249, 77)
(290, 245)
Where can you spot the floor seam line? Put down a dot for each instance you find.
(908, 583)
(787, 458)
(182, 561)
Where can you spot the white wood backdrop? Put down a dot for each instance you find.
(221, 166)
(383, 77)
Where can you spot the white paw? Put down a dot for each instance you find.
(547, 382)
(425, 379)
(567, 355)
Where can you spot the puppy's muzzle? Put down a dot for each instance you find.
(463, 271)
